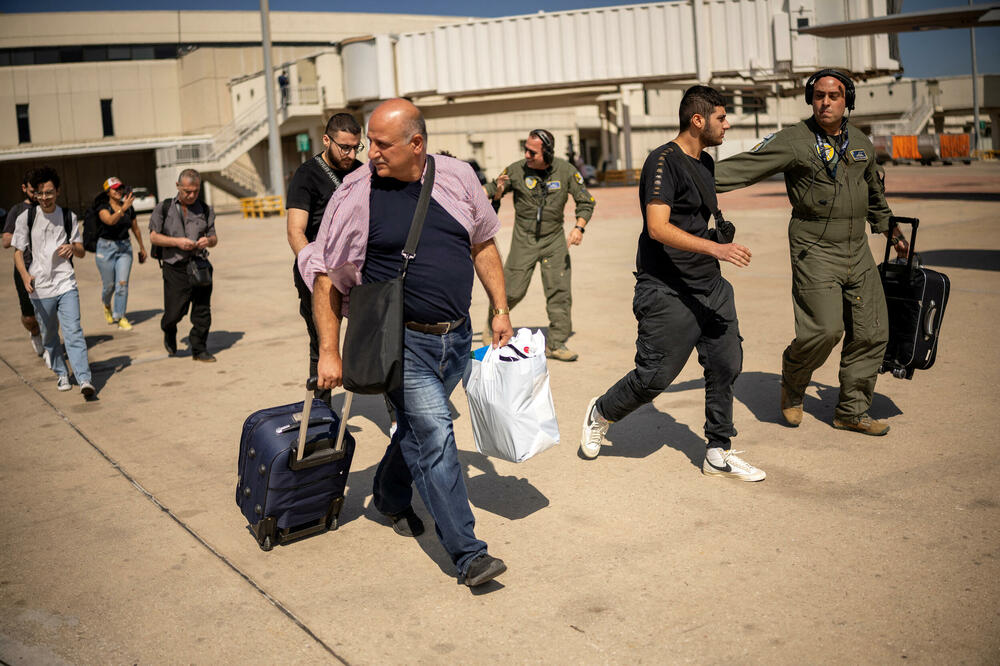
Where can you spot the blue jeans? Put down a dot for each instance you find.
(63, 312)
(423, 451)
(114, 261)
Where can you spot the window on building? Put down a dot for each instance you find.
(95, 53)
(23, 127)
(106, 121)
(730, 99)
(802, 23)
(753, 102)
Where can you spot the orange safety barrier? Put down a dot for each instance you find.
(904, 147)
(954, 145)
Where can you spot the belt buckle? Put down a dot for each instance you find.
(447, 328)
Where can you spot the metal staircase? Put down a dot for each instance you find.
(912, 122)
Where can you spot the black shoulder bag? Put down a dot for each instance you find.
(724, 231)
(373, 344)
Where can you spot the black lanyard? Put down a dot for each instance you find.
(840, 151)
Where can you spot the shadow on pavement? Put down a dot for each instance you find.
(143, 315)
(94, 340)
(950, 195)
(102, 371)
(217, 341)
(511, 497)
(980, 260)
(647, 429)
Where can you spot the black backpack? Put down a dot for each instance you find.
(67, 225)
(91, 220)
(156, 251)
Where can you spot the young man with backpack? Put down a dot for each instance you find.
(28, 318)
(46, 238)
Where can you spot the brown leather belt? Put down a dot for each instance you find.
(435, 329)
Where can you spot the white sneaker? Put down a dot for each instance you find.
(63, 383)
(36, 344)
(732, 466)
(87, 389)
(595, 427)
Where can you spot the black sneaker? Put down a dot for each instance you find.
(204, 357)
(170, 344)
(483, 569)
(407, 523)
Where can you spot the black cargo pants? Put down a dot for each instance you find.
(178, 294)
(672, 323)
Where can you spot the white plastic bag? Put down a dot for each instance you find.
(510, 401)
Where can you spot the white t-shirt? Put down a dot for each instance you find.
(53, 275)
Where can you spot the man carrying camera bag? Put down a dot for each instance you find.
(681, 300)
(184, 228)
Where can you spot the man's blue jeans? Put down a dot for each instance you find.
(63, 312)
(423, 450)
(114, 261)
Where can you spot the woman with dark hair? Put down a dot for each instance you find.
(114, 251)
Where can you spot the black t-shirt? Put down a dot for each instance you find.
(15, 210)
(439, 280)
(664, 178)
(117, 231)
(310, 189)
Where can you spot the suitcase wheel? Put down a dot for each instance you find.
(266, 544)
(332, 523)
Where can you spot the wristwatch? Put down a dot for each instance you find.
(582, 230)
(499, 311)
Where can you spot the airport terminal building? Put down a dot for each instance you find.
(145, 94)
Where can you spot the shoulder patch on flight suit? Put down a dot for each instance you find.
(553, 185)
(578, 177)
(763, 142)
(859, 155)
(530, 182)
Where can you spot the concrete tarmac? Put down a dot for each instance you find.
(122, 542)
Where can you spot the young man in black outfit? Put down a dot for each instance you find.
(28, 318)
(311, 187)
(681, 300)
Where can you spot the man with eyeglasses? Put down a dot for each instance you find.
(311, 187)
(46, 238)
(542, 183)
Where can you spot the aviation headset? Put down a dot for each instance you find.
(548, 143)
(840, 76)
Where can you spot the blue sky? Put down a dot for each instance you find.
(933, 53)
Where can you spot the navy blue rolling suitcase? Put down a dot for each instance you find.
(293, 467)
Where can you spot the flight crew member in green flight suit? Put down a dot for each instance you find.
(832, 183)
(542, 183)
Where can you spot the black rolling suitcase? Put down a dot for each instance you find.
(293, 467)
(916, 298)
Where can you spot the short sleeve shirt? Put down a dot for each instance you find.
(117, 231)
(15, 210)
(53, 274)
(665, 179)
(198, 222)
(311, 188)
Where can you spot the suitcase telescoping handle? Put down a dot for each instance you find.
(304, 424)
(893, 223)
